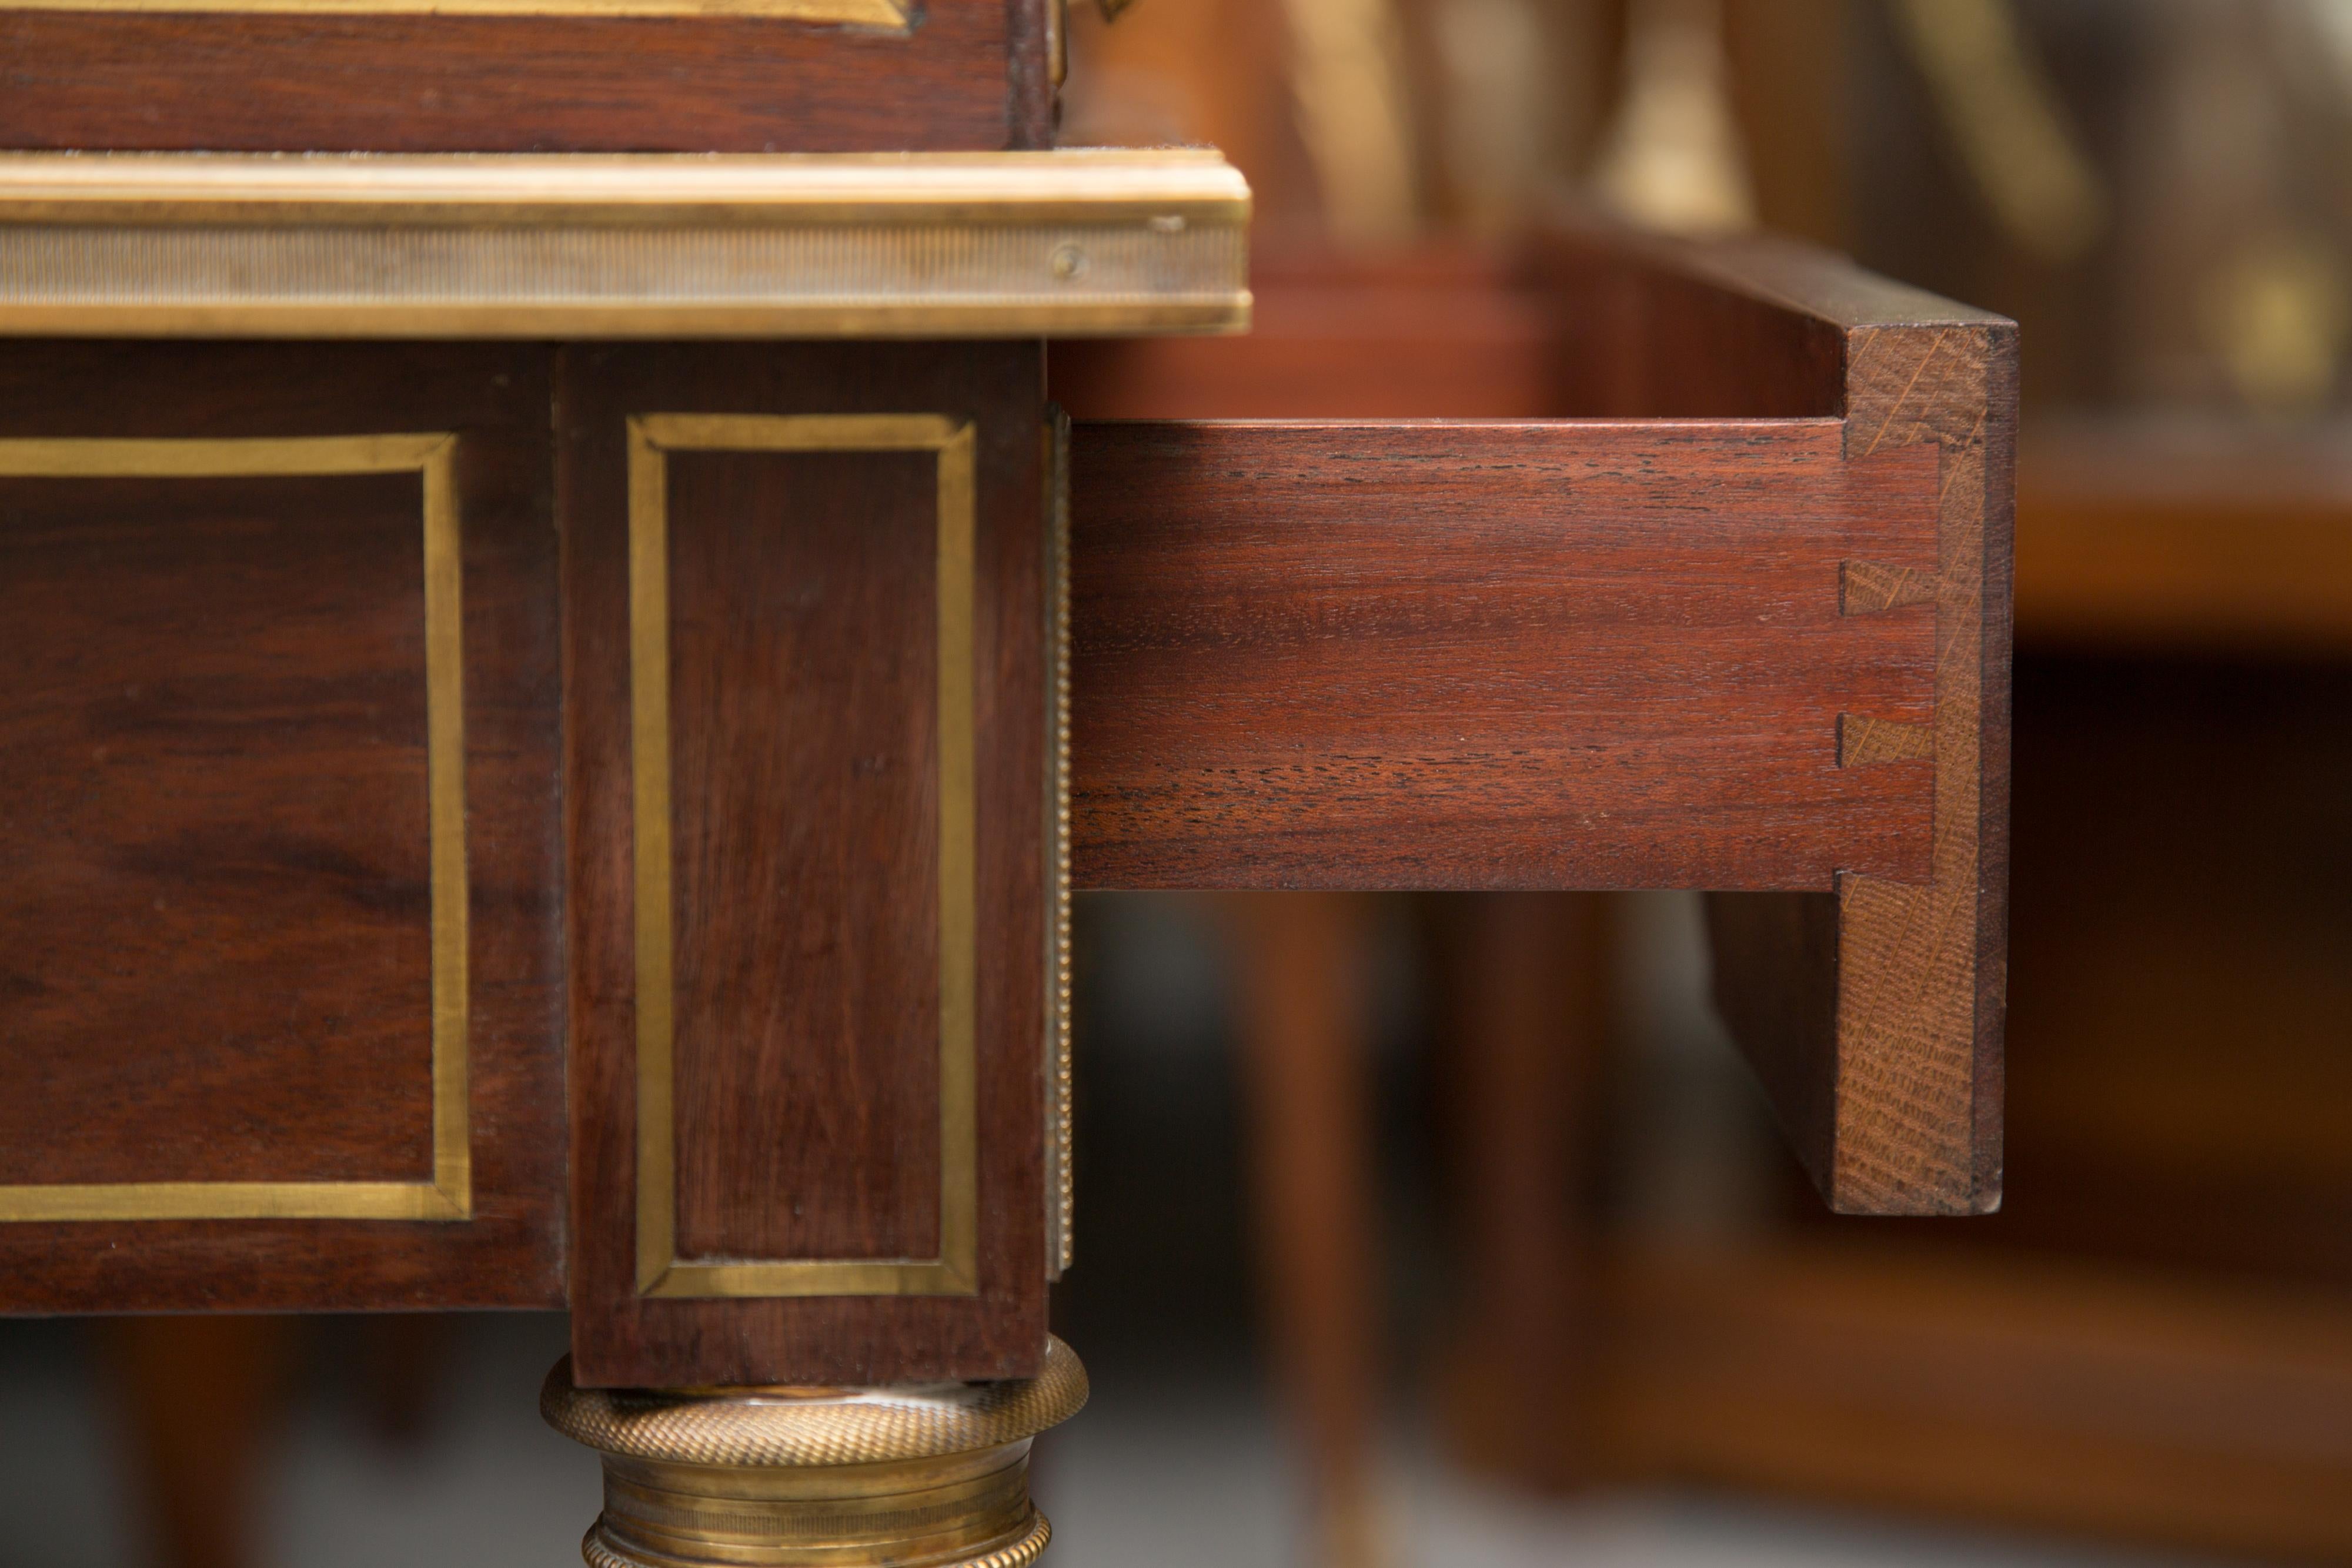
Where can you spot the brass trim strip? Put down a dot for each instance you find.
(536, 190)
(519, 245)
(844, 13)
(660, 1272)
(449, 1196)
(1060, 1185)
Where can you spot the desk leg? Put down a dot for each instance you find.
(813, 911)
(923, 1476)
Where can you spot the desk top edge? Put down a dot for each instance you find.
(1083, 242)
(378, 189)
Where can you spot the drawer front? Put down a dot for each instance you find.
(279, 928)
(543, 76)
(345, 832)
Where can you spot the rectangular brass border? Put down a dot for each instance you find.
(660, 1272)
(449, 1196)
(890, 13)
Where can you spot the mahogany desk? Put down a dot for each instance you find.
(559, 698)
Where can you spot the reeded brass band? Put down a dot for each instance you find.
(935, 1475)
(516, 246)
(954, 1507)
(753, 1426)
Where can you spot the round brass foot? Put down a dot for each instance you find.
(929, 1477)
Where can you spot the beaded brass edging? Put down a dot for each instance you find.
(1060, 1187)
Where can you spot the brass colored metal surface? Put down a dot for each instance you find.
(815, 1427)
(889, 14)
(660, 1272)
(1060, 1188)
(757, 1540)
(934, 1474)
(523, 245)
(432, 457)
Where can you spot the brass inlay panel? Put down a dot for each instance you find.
(450, 1194)
(660, 1272)
(523, 245)
(888, 14)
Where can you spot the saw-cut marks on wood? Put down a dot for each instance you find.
(1867, 587)
(1862, 741)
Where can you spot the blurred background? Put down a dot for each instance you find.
(1447, 1229)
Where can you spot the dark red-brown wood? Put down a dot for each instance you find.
(218, 850)
(1489, 655)
(214, 932)
(965, 77)
(1874, 1016)
(803, 659)
(801, 714)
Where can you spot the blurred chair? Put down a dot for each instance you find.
(202, 1403)
(2153, 1341)
(199, 1402)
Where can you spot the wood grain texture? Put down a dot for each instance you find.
(1445, 335)
(216, 924)
(1454, 654)
(774, 558)
(1867, 587)
(1923, 971)
(1879, 1034)
(1033, 101)
(804, 726)
(1651, 329)
(1865, 742)
(552, 84)
(217, 851)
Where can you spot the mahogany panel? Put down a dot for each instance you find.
(217, 936)
(217, 840)
(222, 81)
(804, 712)
(802, 652)
(1489, 655)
